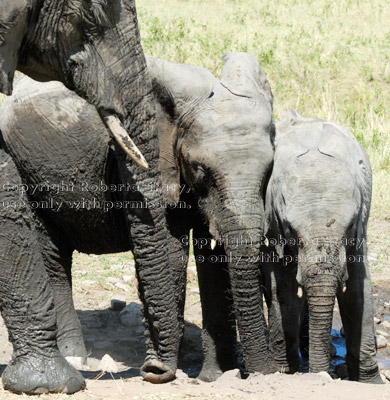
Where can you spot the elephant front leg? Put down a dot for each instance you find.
(26, 300)
(284, 315)
(357, 314)
(58, 259)
(219, 335)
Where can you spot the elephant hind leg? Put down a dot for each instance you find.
(26, 298)
(58, 261)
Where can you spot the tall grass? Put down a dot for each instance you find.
(329, 59)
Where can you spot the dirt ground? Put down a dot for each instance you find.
(98, 279)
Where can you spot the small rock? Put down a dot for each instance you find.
(325, 375)
(180, 374)
(112, 280)
(381, 342)
(127, 278)
(387, 304)
(385, 324)
(377, 320)
(108, 364)
(382, 333)
(116, 267)
(341, 371)
(229, 375)
(131, 315)
(122, 286)
(118, 302)
(80, 272)
(89, 282)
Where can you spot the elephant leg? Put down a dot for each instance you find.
(178, 245)
(26, 302)
(219, 335)
(58, 261)
(284, 315)
(357, 314)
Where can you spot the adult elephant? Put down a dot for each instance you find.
(317, 207)
(93, 47)
(215, 137)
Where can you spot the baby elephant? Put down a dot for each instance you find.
(317, 207)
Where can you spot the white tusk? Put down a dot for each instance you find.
(300, 292)
(266, 242)
(124, 140)
(344, 288)
(213, 244)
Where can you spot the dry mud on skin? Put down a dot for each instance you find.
(105, 334)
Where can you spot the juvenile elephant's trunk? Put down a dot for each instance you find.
(321, 293)
(242, 244)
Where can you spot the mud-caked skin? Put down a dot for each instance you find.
(216, 151)
(317, 207)
(93, 47)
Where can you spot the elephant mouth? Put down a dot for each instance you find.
(114, 125)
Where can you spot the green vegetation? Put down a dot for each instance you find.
(325, 58)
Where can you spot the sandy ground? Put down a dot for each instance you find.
(105, 331)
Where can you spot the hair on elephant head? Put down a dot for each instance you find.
(90, 46)
(216, 136)
(318, 197)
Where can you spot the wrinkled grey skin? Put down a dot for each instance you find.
(204, 124)
(93, 47)
(318, 197)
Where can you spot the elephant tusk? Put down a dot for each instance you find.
(213, 244)
(300, 292)
(124, 140)
(266, 242)
(344, 288)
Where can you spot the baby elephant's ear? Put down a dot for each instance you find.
(243, 76)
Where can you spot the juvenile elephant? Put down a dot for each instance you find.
(317, 207)
(215, 138)
(94, 48)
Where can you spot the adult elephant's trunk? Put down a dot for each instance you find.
(242, 234)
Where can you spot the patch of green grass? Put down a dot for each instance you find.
(326, 59)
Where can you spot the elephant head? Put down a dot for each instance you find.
(318, 199)
(216, 137)
(93, 47)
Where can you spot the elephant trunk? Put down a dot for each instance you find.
(322, 273)
(321, 298)
(242, 236)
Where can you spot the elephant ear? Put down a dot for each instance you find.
(243, 76)
(178, 90)
(13, 19)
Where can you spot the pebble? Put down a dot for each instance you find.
(107, 364)
(131, 315)
(112, 280)
(381, 342)
(325, 375)
(382, 333)
(385, 324)
(127, 278)
(122, 286)
(89, 283)
(377, 320)
(180, 374)
(118, 302)
(229, 375)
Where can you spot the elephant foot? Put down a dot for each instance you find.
(37, 374)
(372, 377)
(155, 371)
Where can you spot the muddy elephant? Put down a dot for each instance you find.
(317, 206)
(93, 47)
(204, 124)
